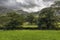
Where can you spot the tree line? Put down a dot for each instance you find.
(47, 18)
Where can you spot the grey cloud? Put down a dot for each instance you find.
(26, 5)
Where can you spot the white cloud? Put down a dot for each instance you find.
(34, 5)
(27, 5)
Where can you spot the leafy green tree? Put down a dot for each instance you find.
(16, 20)
(12, 24)
(47, 19)
(30, 18)
(57, 3)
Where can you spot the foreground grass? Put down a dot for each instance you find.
(30, 35)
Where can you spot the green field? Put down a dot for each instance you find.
(30, 35)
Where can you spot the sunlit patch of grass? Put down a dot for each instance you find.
(29, 25)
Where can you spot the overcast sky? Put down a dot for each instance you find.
(26, 5)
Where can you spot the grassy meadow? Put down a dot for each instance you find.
(30, 35)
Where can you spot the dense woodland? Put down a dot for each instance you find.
(47, 18)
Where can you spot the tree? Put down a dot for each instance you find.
(47, 19)
(56, 4)
(16, 20)
(12, 24)
(30, 18)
